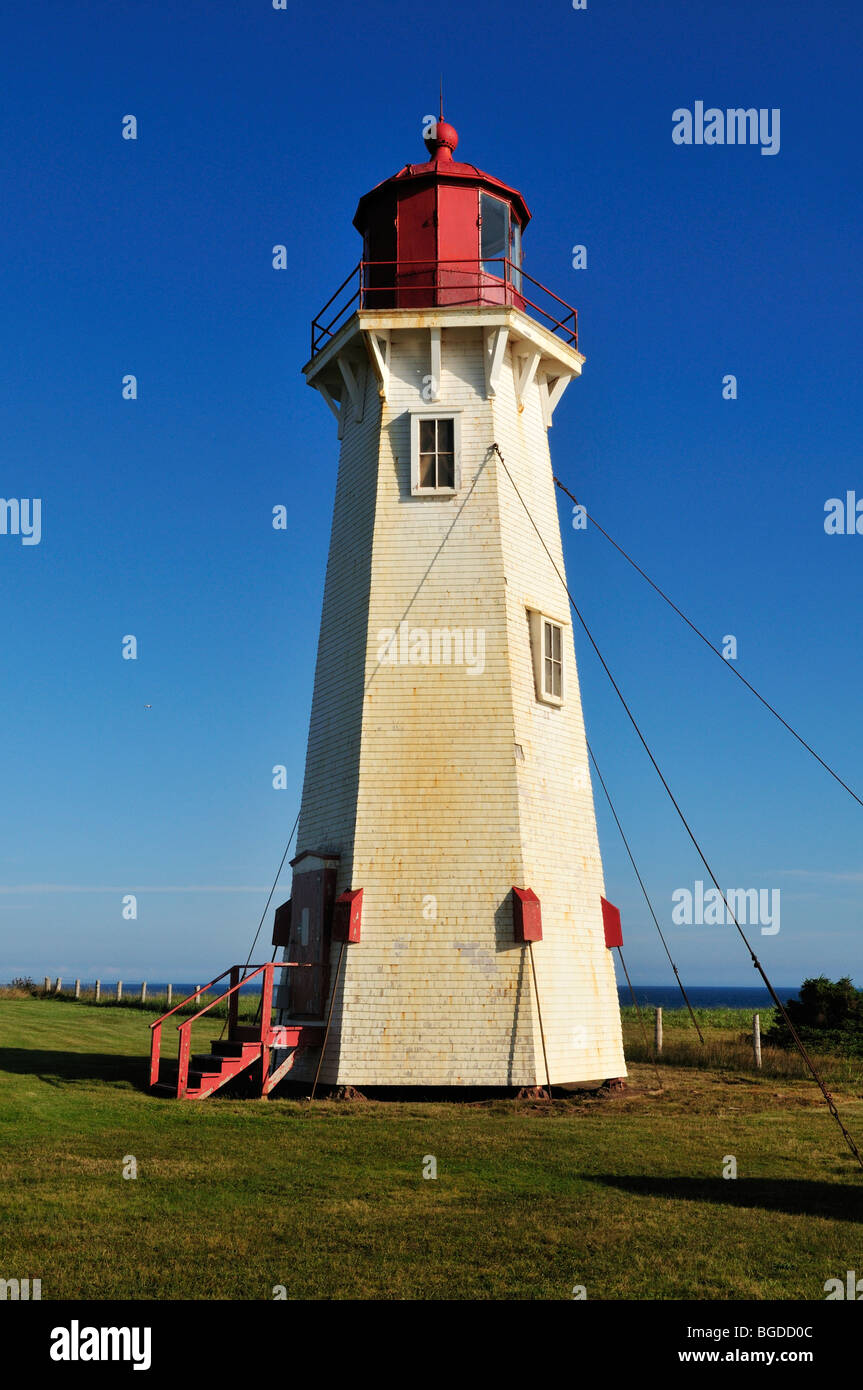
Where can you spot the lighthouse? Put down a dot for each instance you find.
(445, 926)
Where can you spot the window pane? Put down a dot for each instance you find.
(446, 470)
(556, 687)
(427, 470)
(445, 431)
(515, 255)
(549, 680)
(547, 638)
(555, 643)
(427, 436)
(494, 233)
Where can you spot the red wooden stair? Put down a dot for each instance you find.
(247, 1048)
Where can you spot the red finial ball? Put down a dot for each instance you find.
(441, 140)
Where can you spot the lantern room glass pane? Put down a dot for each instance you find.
(494, 234)
(515, 255)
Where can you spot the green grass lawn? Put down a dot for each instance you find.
(623, 1195)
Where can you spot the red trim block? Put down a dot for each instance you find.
(348, 915)
(611, 922)
(282, 925)
(526, 915)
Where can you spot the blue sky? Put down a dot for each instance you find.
(153, 256)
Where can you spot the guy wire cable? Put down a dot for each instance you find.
(679, 611)
(644, 891)
(264, 913)
(755, 961)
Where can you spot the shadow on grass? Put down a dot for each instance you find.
(54, 1067)
(837, 1201)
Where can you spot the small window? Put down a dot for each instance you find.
(437, 453)
(494, 235)
(546, 640)
(552, 662)
(434, 453)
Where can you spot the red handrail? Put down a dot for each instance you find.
(156, 1026)
(271, 964)
(202, 989)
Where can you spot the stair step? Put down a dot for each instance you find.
(206, 1062)
(169, 1088)
(205, 1068)
(200, 1080)
(227, 1048)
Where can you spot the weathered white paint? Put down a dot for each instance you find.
(439, 788)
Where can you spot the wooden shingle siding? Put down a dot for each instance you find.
(412, 771)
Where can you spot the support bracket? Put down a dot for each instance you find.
(355, 382)
(380, 359)
(337, 407)
(526, 364)
(495, 346)
(434, 362)
(551, 391)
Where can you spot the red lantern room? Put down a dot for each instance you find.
(442, 232)
(438, 235)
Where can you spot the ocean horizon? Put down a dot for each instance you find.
(707, 996)
(650, 996)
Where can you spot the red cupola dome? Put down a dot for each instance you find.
(441, 140)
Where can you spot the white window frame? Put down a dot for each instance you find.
(537, 621)
(416, 416)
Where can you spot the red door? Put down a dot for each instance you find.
(417, 242)
(458, 279)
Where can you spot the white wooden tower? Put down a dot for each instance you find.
(446, 764)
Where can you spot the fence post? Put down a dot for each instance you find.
(47, 985)
(97, 992)
(57, 986)
(77, 989)
(119, 990)
(658, 1035)
(756, 1038)
(143, 991)
(169, 993)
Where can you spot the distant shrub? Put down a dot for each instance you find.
(22, 987)
(828, 1013)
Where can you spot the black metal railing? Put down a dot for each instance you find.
(433, 284)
